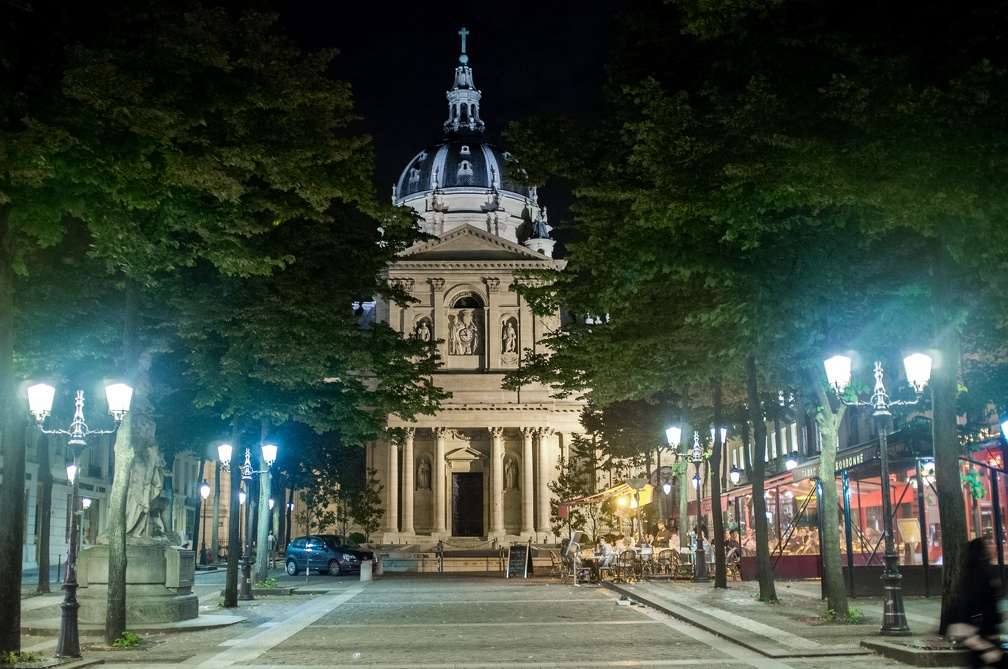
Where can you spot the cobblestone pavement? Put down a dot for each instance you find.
(441, 621)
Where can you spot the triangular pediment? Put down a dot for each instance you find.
(468, 243)
(464, 453)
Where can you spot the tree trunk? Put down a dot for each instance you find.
(215, 534)
(45, 483)
(12, 436)
(764, 570)
(717, 519)
(944, 388)
(261, 572)
(231, 584)
(137, 423)
(746, 463)
(200, 514)
(833, 580)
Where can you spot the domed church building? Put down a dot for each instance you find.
(481, 466)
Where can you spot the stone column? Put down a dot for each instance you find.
(490, 314)
(438, 477)
(392, 510)
(409, 467)
(528, 501)
(542, 492)
(440, 321)
(496, 481)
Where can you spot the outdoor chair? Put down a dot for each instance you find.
(732, 568)
(682, 566)
(556, 565)
(647, 563)
(666, 559)
(626, 566)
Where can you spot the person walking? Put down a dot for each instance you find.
(975, 617)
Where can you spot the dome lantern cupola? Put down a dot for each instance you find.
(463, 98)
(466, 180)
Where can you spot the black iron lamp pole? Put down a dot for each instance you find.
(269, 453)
(40, 399)
(894, 622)
(204, 493)
(700, 569)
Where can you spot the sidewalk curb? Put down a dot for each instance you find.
(718, 628)
(918, 657)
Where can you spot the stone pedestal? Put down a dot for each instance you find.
(159, 582)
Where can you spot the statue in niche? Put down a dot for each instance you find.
(509, 338)
(423, 332)
(464, 335)
(511, 475)
(423, 475)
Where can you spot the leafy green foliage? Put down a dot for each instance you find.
(127, 640)
(365, 505)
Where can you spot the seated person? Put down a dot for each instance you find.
(631, 543)
(604, 554)
(662, 536)
(620, 544)
(647, 541)
(733, 549)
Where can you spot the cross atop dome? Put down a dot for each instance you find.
(463, 98)
(463, 58)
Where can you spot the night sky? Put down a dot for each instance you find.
(399, 58)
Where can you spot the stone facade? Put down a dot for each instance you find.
(481, 466)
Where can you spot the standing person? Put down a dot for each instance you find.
(975, 616)
(662, 536)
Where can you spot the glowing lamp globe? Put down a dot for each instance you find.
(838, 371)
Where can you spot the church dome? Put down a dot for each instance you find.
(463, 160)
(466, 180)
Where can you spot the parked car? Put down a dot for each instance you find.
(326, 552)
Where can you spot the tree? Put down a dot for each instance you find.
(795, 128)
(316, 517)
(178, 135)
(365, 504)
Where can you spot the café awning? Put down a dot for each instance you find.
(622, 490)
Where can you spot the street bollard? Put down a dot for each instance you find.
(380, 566)
(365, 570)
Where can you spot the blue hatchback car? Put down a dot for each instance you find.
(325, 552)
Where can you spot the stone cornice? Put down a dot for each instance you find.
(447, 265)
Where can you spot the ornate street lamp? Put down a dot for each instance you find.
(40, 400)
(918, 369)
(241, 508)
(673, 436)
(204, 491)
(696, 457)
(734, 475)
(269, 454)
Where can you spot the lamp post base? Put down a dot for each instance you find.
(894, 622)
(69, 638)
(245, 587)
(700, 574)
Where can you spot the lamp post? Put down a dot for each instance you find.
(700, 569)
(673, 436)
(204, 491)
(269, 453)
(734, 476)
(40, 400)
(918, 369)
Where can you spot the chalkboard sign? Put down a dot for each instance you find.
(519, 561)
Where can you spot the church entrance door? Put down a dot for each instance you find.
(467, 505)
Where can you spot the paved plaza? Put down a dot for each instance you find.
(443, 620)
